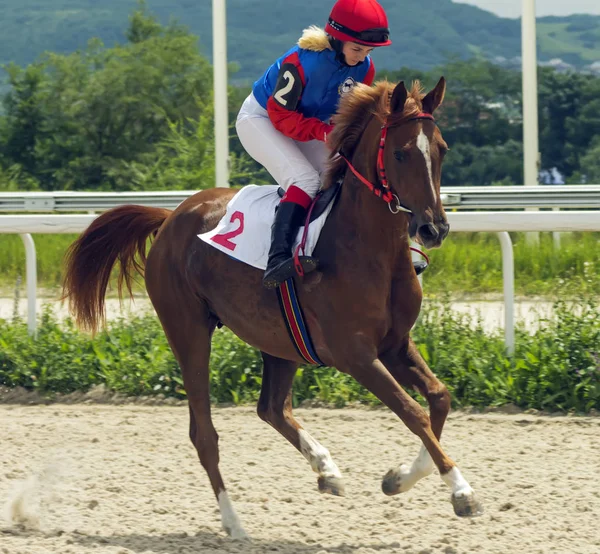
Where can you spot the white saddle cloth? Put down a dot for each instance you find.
(244, 232)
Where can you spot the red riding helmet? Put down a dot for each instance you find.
(362, 21)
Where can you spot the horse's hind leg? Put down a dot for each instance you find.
(410, 370)
(275, 407)
(189, 329)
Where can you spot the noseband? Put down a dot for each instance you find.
(383, 189)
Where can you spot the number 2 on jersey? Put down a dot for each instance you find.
(280, 94)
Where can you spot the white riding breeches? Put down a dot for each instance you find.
(289, 162)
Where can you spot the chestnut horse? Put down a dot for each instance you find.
(359, 306)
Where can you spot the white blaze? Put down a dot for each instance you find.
(423, 146)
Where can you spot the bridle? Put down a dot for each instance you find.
(383, 189)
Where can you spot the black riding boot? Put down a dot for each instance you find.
(289, 217)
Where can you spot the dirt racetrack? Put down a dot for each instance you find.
(125, 479)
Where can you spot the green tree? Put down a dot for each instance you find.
(25, 118)
(569, 118)
(590, 163)
(471, 165)
(142, 25)
(92, 119)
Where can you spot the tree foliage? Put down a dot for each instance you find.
(105, 118)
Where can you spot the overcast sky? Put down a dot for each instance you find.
(512, 8)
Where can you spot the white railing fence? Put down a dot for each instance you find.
(583, 197)
(457, 200)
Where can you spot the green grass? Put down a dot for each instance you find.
(466, 263)
(472, 263)
(50, 251)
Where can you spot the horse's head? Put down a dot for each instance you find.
(406, 170)
(413, 152)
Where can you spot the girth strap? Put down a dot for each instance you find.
(294, 321)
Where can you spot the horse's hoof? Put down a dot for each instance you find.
(396, 481)
(332, 485)
(466, 504)
(236, 533)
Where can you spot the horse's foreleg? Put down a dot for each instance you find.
(374, 376)
(275, 407)
(410, 370)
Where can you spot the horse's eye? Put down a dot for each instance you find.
(399, 155)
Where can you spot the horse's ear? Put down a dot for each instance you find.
(432, 101)
(398, 98)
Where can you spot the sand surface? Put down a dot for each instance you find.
(125, 479)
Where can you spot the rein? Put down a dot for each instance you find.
(384, 191)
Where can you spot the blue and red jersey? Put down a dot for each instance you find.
(301, 90)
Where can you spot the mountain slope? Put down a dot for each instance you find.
(425, 32)
(574, 39)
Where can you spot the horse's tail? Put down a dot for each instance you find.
(118, 234)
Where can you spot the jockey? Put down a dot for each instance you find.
(284, 122)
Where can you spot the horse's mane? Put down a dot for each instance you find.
(354, 112)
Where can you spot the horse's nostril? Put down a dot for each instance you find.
(429, 231)
(444, 229)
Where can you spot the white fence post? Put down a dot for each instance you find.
(220, 93)
(508, 274)
(31, 278)
(556, 235)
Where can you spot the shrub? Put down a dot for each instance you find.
(555, 368)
